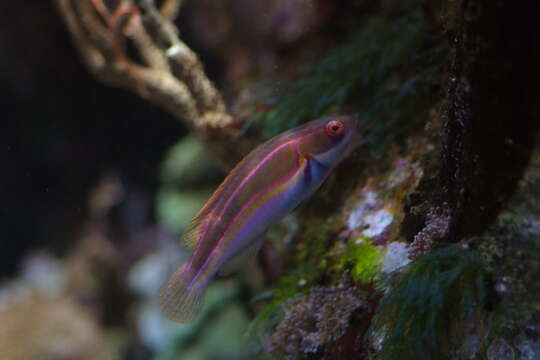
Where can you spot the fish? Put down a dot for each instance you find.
(265, 186)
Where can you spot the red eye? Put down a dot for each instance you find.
(334, 127)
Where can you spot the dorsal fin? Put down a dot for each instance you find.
(193, 231)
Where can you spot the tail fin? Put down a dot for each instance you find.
(178, 302)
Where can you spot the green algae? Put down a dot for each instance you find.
(423, 314)
(319, 260)
(374, 74)
(363, 258)
(311, 257)
(312, 268)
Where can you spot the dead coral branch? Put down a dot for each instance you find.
(169, 74)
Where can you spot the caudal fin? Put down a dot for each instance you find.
(178, 302)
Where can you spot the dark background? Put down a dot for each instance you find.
(60, 131)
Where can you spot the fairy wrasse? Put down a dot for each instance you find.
(266, 185)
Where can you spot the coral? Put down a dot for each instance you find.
(316, 319)
(436, 228)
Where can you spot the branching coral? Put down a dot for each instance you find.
(168, 74)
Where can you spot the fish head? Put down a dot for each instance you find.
(330, 139)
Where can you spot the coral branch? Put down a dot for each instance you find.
(170, 8)
(184, 62)
(170, 75)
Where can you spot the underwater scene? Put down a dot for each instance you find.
(269, 180)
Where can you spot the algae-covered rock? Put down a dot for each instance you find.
(511, 248)
(316, 319)
(447, 216)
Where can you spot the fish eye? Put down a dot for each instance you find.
(334, 127)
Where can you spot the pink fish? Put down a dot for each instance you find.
(266, 185)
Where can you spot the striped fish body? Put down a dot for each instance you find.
(264, 187)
